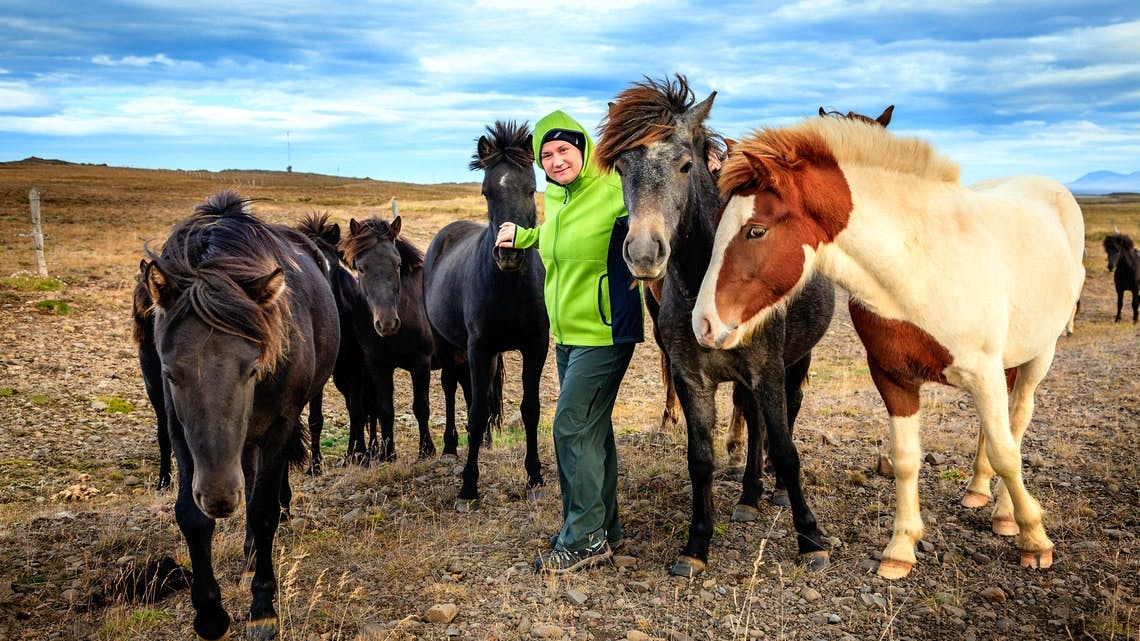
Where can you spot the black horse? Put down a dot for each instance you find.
(151, 368)
(247, 333)
(1124, 262)
(349, 375)
(483, 301)
(390, 323)
(655, 137)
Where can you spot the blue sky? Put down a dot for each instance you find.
(401, 90)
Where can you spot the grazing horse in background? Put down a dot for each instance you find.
(390, 323)
(246, 329)
(151, 368)
(349, 375)
(484, 300)
(888, 220)
(1124, 262)
(655, 137)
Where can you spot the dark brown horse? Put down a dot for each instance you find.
(247, 333)
(483, 301)
(151, 369)
(655, 137)
(1124, 262)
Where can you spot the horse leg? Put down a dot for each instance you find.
(699, 404)
(1120, 303)
(1135, 305)
(533, 361)
(1004, 452)
(481, 367)
(211, 621)
(358, 416)
(421, 407)
(263, 514)
(316, 426)
(672, 415)
(748, 506)
(978, 488)
(794, 377)
(448, 380)
(735, 444)
(152, 380)
(386, 414)
(902, 401)
(813, 552)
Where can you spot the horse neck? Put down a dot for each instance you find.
(691, 248)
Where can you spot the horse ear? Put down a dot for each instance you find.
(822, 113)
(884, 118)
(760, 171)
(701, 111)
(266, 289)
(729, 143)
(394, 226)
(353, 227)
(486, 147)
(158, 285)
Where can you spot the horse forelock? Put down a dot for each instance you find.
(509, 142)
(370, 233)
(208, 260)
(645, 113)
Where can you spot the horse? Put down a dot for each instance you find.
(246, 330)
(484, 300)
(142, 313)
(1124, 262)
(882, 120)
(888, 219)
(390, 322)
(654, 136)
(349, 374)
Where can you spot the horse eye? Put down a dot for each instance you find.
(685, 168)
(754, 232)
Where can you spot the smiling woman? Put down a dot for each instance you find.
(886, 219)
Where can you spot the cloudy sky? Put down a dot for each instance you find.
(401, 90)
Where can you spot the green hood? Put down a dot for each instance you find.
(561, 120)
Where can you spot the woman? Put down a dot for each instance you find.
(596, 318)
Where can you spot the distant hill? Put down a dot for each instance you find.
(1105, 182)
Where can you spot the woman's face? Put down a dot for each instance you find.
(561, 161)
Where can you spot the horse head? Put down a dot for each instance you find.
(371, 249)
(786, 196)
(506, 157)
(221, 328)
(883, 120)
(654, 137)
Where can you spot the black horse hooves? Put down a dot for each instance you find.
(814, 561)
(466, 505)
(780, 498)
(261, 630)
(536, 493)
(745, 513)
(687, 566)
(449, 459)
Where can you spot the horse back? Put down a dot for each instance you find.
(448, 262)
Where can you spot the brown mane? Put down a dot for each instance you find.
(208, 260)
(643, 114)
(842, 140)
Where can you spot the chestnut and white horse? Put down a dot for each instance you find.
(965, 286)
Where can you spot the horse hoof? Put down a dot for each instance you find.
(535, 493)
(745, 513)
(891, 569)
(814, 561)
(687, 567)
(466, 505)
(449, 459)
(1005, 526)
(1037, 560)
(974, 499)
(780, 498)
(225, 635)
(261, 630)
(735, 473)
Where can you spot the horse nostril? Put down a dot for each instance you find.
(706, 328)
(662, 250)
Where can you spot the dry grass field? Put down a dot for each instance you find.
(369, 551)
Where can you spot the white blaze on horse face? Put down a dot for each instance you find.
(708, 327)
(504, 179)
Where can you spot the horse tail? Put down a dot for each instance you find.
(297, 450)
(495, 413)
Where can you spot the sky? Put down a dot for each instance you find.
(401, 91)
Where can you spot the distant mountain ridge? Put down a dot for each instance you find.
(1105, 182)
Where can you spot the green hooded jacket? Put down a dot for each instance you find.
(591, 297)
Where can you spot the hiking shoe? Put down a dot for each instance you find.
(615, 545)
(558, 561)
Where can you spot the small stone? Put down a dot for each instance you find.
(546, 631)
(932, 459)
(677, 635)
(576, 597)
(993, 594)
(441, 613)
(623, 561)
(834, 619)
(811, 595)
(636, 635)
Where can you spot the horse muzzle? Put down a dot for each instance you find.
(508, 259)
(646, 258)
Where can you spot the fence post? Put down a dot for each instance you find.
(37, 231)
(395, 208)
